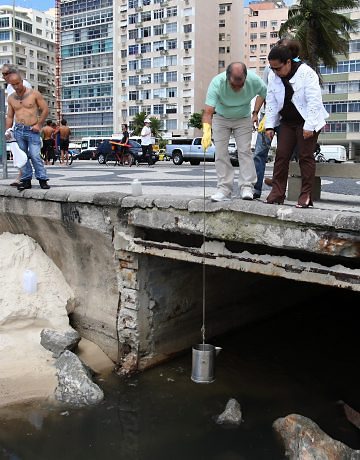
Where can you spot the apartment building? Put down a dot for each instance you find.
(262, 21)
(166, 54)
(154, 56)
(27, 39)
(86, 66)
(341, 96)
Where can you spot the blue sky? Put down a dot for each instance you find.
(41, 5)
(44, 5)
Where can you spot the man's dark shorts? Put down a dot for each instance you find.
(64, 144)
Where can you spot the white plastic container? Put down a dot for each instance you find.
(136, 188)
(29, 282)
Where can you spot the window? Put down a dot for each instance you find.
(187, 44)
(253, 48)
(222, 50)
(145, 79)
(146, 16)
(263, 35)
(158, 45)
(172, 27)
(133, 18)
(274, 23)
(158, 109)
(171, 76)
(158, 14)
(133, 110)
(221, 37)
(145, 94)
(171, 60)
(263, 24)
(145, 47)
(158, 61)
(263, 48)
(145, 63)
(133, 95)
(145, 32)
(159, 29)
(171, 125)
(159, 77)
(133, 65)
(273, 34)
(133, 80)
(253, 36)
(187, 28)
(171, 44)
(171, 12)
(253, 25)
(187, 77)
(133, 49)
(171, 108)
(133, 34)
(222, 23)
(221, 64)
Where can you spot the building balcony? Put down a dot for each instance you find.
(164, 84)
(139, 86)
(164, 36)
(138, 40)
(164, 68)
(138, 56)
(164, 20)
(138, 9)
(138, 71)
(164, 52)
(164, 99)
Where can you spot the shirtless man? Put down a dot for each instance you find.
(64, 141)
(48, 143)
(30, 110)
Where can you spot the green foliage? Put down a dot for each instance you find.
(321, 30)
(195, 121)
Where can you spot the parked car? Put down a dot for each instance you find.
(106, 147)
(184, 149)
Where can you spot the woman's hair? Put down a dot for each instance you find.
(293, 45)
(280, 53)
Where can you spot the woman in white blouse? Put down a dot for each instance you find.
(294, 103)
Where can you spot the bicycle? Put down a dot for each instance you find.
(116, 158)
(319, 157)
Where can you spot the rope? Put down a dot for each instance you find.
(203, 256)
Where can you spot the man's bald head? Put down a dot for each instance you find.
(236, 73)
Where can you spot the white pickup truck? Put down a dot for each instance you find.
(182, 149)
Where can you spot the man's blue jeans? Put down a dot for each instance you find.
(29, 141)
(262, 147)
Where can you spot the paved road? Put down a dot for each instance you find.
(163, 179)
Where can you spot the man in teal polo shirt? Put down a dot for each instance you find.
(228, 111)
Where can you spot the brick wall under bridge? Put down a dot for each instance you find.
(136, 265)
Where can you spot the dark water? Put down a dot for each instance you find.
(298, 362)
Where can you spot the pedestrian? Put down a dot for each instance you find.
(124, 150)
(146, 141)
(47, 149)
(6, 70)
(294, 103)
(263, 143)
(64, 132)
(29, 110)
(228, 113)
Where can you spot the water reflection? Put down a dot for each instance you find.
(302, 361)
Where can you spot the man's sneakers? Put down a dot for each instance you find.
(220, 196)
(24, 185)
(246, 193)
(43, 184)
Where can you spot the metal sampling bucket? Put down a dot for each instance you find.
(203, 363)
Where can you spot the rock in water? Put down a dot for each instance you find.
(232, 413)
(304, 440)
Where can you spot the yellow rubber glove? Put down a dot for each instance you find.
(206, 139)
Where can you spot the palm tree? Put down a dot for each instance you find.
(321, 30)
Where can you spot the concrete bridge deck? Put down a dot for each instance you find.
(135, 263)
